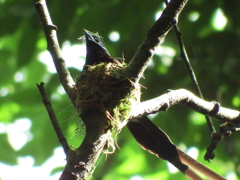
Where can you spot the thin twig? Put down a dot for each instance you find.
(192, 74)
(154, 37)
(224, 130)
(191, 71)
(53, 118)
(54, 49)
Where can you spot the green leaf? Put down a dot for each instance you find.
(27, 45)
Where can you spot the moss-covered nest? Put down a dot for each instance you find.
(103, 88)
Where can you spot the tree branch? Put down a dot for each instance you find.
(188, 99)
(80, 162)
(53, 118)
(191, 72)
(54, 49)
(154, 37)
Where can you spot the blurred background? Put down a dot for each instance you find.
(28, 145)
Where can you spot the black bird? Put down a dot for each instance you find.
(146, 133)
(96, 52)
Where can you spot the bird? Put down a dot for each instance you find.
(96, 52)
(146, 133)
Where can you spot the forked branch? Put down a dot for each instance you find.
(54, 49)
(80, 163)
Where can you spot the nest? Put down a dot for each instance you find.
(102, 88)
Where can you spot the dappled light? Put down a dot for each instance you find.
(29, 146)
(19, 133)
(114, 36)
(193, 16)
(219, 20)
(19, 77)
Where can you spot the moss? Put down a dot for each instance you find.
(103, 88)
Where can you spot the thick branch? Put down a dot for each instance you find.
(189, 100)
(54, 49)
(154, 37)
(80, 163)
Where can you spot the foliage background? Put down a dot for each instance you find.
(214, 54)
